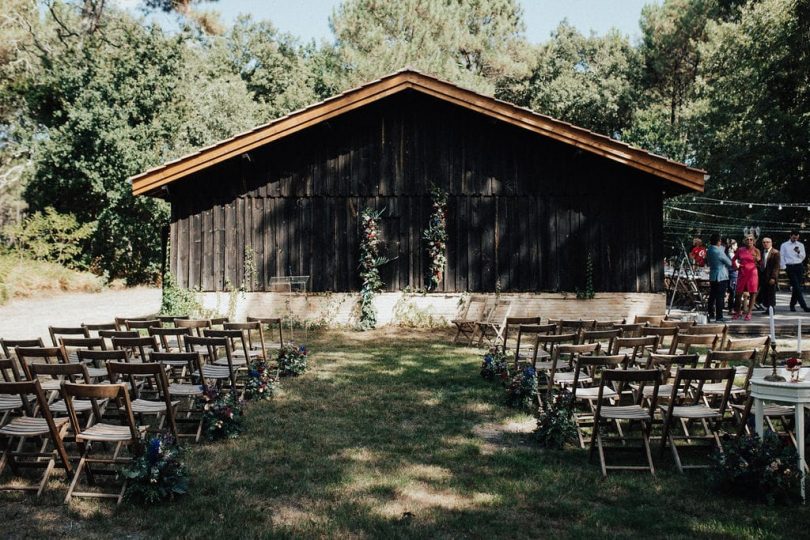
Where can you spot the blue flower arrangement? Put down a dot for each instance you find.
(261, 381)
(222, 414)
(521, 393)
(158, 473)
(495, 365)
(292, 359)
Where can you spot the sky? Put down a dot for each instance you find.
(309, 19)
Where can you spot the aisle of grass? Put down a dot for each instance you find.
(391, 436)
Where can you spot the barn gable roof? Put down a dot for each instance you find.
(408, 79)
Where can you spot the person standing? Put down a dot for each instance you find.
(719, 265)
(793, 255)
(698, 253)
(731, 249)
(769, 274)
(748, 257)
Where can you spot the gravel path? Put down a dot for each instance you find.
(30, 318)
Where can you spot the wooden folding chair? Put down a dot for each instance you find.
(57, 332)
(43, 355)
(240, 352)
(476, 309)
(649, 320)
(268, 323)
(720, 331)
(605, 338)
(96, 361)
(108, 335)
(688, 409)
(631, 329)
(668, 365)
(546, 344)
(195, 325)
(210, 371)
(761, 344)
(137, 348)
(127, 433)
(168, 320)
(562, 365)
(493, 328)
(142, 325)
(187, 391)
(22, 428)
(170, 338)
(93, 329)
(684, 343)
(586, 387)
(526, 345)
(636, 348)
(254, 337)
(683, 326)
(74, 373)
(607, 413)
(121, 322)
(512, 326)
(8, 345)
(219, 321)
(9, 403)
(609, 325)
(70, 346)
(577, 326)
(163, 408)
(666, 337)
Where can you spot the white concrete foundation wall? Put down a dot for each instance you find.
(435, 309)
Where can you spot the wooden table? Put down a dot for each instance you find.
(797, 394)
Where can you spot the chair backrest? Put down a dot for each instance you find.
(117, 392)
(163, 335)
(595, 365)
(620, 378)
(761, 344)
(43, 355)
(9, 345)
(683, 343)
(93, 329)
(650, 320)
(573, 352)
(142, 324)
(121, 322)
(472, 310)
(237, 338)
(667, 363)
(549, 342)
(608, 325)
(513, 323)
(137, 347)
(134, 374)
(604, 337)
(500, 312)
(219, 321)
(75, 372)
(196, 325)
(721, 359)
(689, 376)
(253, 331)
(71, 345)
(193, 361)
(680, 325)
(269, 322)
(109, 334)
(102, 357)
(168, 320)
(638, 346)
(719, 330)
(9, 371)
(578, 325)
(666, 335)
(524, 337)
(66, 331)
(631, 329)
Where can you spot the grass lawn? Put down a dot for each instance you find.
(393, 434)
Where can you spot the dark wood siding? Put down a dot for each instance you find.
(524, 211)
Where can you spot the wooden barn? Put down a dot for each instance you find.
(530, 198)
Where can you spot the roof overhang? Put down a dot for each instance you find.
(150, 182)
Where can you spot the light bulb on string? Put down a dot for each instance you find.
(750, 205)
(780, 207)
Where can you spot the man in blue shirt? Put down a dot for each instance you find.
(719, 264)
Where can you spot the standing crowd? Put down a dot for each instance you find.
(746, 278)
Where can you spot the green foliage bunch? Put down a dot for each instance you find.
(370, 263)
(764, 469)
(588, 293)
(435, 237)
(555, 421)
(222, 414)
(178, 300)
(521, 392)
(51, 236)
(157, 474)
(261, 381)
(292, 359)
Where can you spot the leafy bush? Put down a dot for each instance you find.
(51, 236)
(522, 390)
(495, 365)
(555, 422)
(761, 469)
(23, 278)
(222, 414)
(261, 382)
(178, 300)
(292, 360)
(157, 474)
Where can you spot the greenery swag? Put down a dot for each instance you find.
(261, 381)
(555, 422)
(522, 390)
(222, 414)
(495, 365)
(435, 237)
(157, 474)
(370, 262)
(292, 359)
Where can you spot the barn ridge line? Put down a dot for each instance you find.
(150, 182)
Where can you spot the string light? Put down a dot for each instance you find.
(707, 201)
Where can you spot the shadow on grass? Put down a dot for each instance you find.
(383, 439)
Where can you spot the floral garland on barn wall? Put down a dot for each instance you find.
(435, 236)
(370, 262)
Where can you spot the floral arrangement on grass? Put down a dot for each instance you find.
(261, 381)
(435, 237)
(292, 359)
(521, 393)
(158, 473)
(555, 421)
(495, 365)
(222, 414)
(370, 262)
(764, 469)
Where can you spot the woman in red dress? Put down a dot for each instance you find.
(748, 257)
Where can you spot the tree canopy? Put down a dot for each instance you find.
(91, 94)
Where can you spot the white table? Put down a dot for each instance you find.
(797, 394)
